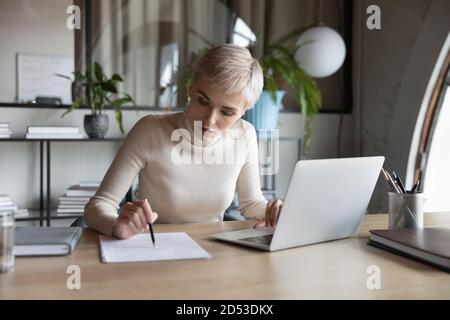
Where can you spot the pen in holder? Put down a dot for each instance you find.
(406, 210)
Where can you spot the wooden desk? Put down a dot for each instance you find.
(329, 270)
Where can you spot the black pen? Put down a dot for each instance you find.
(150, 228)
(399, 182)
(390, 181)
(416, 185)
(151, 233)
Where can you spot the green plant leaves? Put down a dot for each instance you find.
(102, 90)
(119, 102)
(119, 120)
(62, 76)
(98, 70)
(75, 105)
(108, 86)
(278, 64)
(116, 77)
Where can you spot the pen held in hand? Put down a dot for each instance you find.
(150, 227)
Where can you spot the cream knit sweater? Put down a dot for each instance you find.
(180, 190)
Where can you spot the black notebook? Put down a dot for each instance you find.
(429, 245)
(41, 241)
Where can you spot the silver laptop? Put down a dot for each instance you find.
(326, 200)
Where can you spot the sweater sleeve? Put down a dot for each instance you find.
(252, 203)
(100, 213)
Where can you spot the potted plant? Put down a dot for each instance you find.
(280, 66)
(101, 91)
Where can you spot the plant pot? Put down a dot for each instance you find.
(264, 114)
(96, 126)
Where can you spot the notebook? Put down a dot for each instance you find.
(169, 246)
(46, 241)
(429, 245)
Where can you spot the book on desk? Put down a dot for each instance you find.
(51, 241)
(429, 245)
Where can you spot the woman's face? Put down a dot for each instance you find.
(216, 110)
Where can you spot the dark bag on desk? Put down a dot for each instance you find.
(430, 245)
(41, 241)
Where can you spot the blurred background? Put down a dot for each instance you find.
(357, 78)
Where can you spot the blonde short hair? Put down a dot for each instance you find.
(233, 68)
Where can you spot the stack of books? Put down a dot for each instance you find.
(53, 132)
(6, 204)
(5, 131)
(75, 198)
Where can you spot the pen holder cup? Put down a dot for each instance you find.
(406, 210)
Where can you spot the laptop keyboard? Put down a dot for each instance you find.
(264, 240)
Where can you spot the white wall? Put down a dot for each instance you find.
(426, 62)
(392, 69)
(437, 177)
(28, 26)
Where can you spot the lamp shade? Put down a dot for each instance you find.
(322, 51)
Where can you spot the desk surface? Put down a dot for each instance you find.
(331, 270)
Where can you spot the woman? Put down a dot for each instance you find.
(178, 156)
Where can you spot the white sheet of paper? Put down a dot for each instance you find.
(169, 246)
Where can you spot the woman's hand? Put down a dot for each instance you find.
(273, 210)
(134, 219)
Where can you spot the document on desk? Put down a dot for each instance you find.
(169, 246)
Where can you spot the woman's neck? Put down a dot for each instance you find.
(194, 131)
